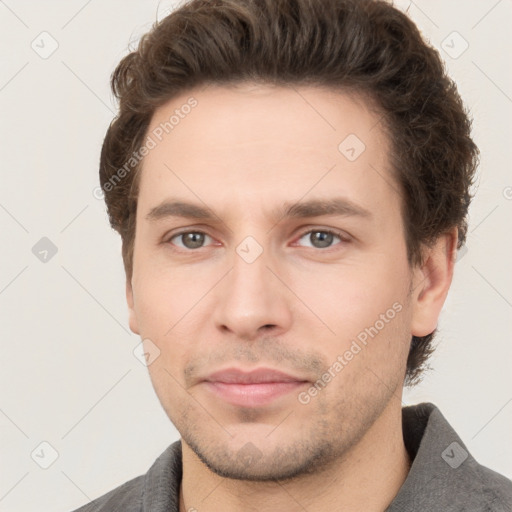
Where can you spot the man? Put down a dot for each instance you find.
(291, 179)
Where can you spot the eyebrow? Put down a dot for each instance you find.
(313, 208)
(318, 207)
(179, 209)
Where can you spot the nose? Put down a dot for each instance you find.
(252, 302)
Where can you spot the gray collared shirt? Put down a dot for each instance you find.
(443, 476)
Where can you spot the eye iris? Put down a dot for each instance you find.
(321, 238)
(193, 240)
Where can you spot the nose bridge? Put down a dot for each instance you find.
(250, 297)
(249, 280)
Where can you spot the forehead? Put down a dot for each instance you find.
(253, 142)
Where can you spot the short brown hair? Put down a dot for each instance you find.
(364, 46)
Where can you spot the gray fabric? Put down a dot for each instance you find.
(443, 476)
(436, 481)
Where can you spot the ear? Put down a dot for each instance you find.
(431, 282)
(131, 309)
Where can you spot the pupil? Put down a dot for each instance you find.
(193, 240)
(321, 239)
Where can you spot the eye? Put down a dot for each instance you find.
(190, 239)
(320, 238)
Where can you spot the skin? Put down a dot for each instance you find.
(243, 152)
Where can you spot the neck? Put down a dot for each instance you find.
(367, 478)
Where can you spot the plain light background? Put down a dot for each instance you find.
(68, 374)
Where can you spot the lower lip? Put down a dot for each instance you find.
(253, 395)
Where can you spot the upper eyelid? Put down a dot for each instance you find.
(332, 231)
(184, 231)
(181, 233)
(344, 237)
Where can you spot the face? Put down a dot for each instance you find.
(270, 277)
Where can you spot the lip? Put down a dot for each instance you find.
(253, 388)
(256, 376)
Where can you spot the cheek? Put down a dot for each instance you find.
(164, 297)
(366, 307)
(354, 296)
(171, 307)
(153, 308)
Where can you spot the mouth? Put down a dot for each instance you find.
(254, 388)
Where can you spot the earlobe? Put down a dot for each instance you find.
(132, 317)
(431, 283)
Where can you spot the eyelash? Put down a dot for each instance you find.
(342, 236)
